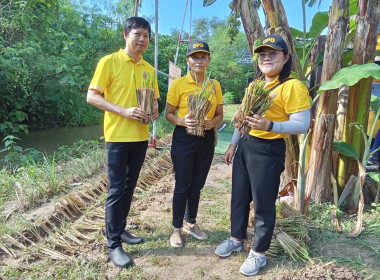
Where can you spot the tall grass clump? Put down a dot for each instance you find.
(198, 106)
(50, 173)
(256, 101)
(145, 96)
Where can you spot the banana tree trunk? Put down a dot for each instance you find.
(250, 19)
(367, 22)
(316, 73)
(318, 179)
(340, 126)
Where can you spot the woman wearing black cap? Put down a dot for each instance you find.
(191, 155)
(260, 156)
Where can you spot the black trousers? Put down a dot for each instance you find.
(192, 157)
(256, 171)
(124, 162)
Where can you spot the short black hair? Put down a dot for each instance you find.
(136, 22)
(285, 72)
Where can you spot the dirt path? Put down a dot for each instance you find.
(196, 260)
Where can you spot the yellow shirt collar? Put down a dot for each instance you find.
(124, 55)
(273, 83)
(190, 78)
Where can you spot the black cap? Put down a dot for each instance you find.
(275, 42)
(197, 46)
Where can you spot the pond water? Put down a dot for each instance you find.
(48, 140)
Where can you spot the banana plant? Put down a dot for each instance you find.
(350, 76)
(303, 48)
(349, 151)
(346, 76)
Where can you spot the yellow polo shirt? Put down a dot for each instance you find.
(290, 97)
(182, 87)
(117, 76)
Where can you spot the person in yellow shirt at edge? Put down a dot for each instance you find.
(191, 155)
(260, 155)
(117, 76)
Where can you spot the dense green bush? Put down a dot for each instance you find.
(49, 50)
(229, 98)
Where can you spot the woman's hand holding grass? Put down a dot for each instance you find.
(208, 124)
(187, 121)
(257, 122)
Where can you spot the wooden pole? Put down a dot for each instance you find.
(136, 11)
(154, 130)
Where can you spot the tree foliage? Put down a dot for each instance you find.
(49, 49)
(224, 61)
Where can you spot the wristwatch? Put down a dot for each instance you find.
(270, 126)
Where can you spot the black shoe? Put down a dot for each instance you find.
(130, 239)
(120, 258)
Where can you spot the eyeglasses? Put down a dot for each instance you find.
(199, 59)
(270, 54)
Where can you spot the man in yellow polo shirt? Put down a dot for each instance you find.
(116, 77)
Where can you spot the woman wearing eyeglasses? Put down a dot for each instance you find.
(191, 155)
(260, 155)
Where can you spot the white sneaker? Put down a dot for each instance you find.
(227, 247)
(252, 264)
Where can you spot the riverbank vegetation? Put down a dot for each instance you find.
(28, 180)
(30, 176)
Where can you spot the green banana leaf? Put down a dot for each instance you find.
(374, 176)
(351, 75)
(319, 22)
(353, 7)
(345, 149)
(375, 102)
(208, 2)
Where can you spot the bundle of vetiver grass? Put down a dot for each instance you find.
(145, 97)
(290, 234)
(198, 106)
(255, 102)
